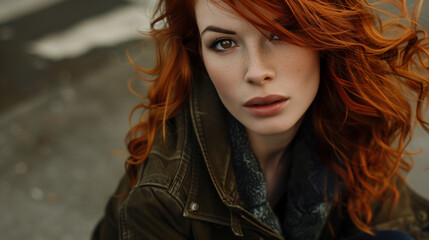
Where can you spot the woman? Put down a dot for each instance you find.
(275, 119)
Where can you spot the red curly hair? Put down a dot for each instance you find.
(370, 72)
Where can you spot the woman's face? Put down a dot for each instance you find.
(265, 83)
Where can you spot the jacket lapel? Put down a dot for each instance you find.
(208, 119)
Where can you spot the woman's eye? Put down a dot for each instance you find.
(222, 44)
(274, 37)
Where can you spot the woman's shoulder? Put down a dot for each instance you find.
(155, 204)
(169, 159)
(409, 214)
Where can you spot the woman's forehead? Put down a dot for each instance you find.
(219, 10)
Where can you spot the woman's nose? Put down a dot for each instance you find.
(258, 69)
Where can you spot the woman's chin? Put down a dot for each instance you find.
(269, 129)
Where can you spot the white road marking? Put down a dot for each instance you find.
(119, 25)
(12, 9)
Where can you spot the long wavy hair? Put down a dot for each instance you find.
(373, 89)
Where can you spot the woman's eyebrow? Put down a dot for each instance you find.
(217, 29)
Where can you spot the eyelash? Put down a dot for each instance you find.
(214, 43)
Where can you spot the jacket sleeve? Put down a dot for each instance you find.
(146, 213)
(153, 213)
(108, 227)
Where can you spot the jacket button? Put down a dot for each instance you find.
(194, 206)
(422, 215)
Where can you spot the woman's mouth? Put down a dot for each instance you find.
(266, 106)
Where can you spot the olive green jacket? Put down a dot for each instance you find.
(186, 189)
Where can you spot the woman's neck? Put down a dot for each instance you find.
(271, 152)
(269, 149)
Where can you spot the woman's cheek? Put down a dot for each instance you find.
(222, 73)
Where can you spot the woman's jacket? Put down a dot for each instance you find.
(186, 189)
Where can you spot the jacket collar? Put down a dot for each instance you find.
(209, 123)
(210, 126)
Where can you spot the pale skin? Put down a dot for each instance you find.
(272, 154)
(243, 64)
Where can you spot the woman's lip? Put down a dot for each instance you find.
(256, 101)
(273, 104)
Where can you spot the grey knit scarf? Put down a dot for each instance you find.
(304, 210)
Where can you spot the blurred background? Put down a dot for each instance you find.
(64, 107)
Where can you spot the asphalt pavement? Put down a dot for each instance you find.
(64, 108)
(57, 168)
(64, 112)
